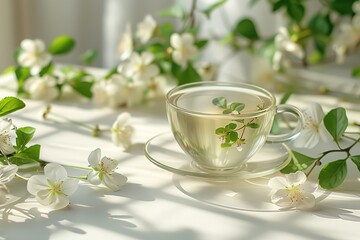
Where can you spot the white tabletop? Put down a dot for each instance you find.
(157, 204)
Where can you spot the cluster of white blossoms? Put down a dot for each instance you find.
(138, 76)
(33, 54)
(349, 36)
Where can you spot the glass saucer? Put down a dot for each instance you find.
(164, 152)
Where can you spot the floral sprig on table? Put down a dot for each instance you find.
(319, 128)
(54, 187)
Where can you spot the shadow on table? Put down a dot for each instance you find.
(254, 196)
(92, 208)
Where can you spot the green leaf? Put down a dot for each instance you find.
(356, 161)
(166, 30)
(333, 174)
(9, 105)
(295, 10)
(24, 135)
(175, 11)
(231, 126)
(22, 73)
(111, 72)
(47, 69)
(62, 44)
(343, 7)
(82, 86)
(237, 106)
(321, 24)
(336, 122)
(253, 125)
(285, 97)
(201, 43)
(233, 136)
(189, 75)
(212, 7)
(29, 155)
(220, 131)
(247, 29)
(220, 102)
(227, 111)
(226, 145)
(279, 4)
(298, 162)
(356, 72)
(89, 56)
(8, 70)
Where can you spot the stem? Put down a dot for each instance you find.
(72, 121)
(78, 167)
(21, 177)
(79, 177)
(192, 13)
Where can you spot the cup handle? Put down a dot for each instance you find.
(292, 134)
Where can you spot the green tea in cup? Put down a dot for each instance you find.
(221, 125)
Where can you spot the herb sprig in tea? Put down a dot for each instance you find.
(233, 133)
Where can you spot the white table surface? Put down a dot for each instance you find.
(156, 204)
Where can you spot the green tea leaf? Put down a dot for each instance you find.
(220, 131)
(336, 122)
(9, 105)
(62, 44)
(89, 56)
(231, 126)
(220, 102)
(226, 145)
(356, 161)
(253, 125)
(298, 162)
(333, 174)
(233, 136)
(247, 29)
(227, 111)
(237, 106)
(212, 7)
(24, 135)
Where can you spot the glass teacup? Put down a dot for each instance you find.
(221, 125)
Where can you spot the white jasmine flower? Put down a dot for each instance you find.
(314, 129)
(207, 71)
(292, 191)
(126, 44)
(104, 171)
(6, 146)
(156, 87)
(347, 39)
(106, 92)
(121, 131)
(284, 44)
(42, 88)
(33, 55)
(131, 93)
(146, 28)
(140, 67)
(7, 173)
(184, 48)
(54, 187)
